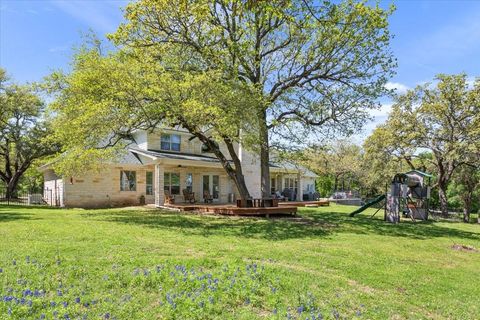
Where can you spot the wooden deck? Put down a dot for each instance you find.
(319, 203)
(284, 208)
(230, 209)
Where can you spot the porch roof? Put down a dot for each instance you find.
(157, 154)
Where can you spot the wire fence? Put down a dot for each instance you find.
(30, 196)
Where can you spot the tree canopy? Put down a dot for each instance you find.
(23, 131)
(443, 119)
(318, 66)
(107, 97)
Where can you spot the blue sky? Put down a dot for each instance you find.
(431, 37)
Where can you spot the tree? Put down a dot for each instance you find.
(339, 164)
(318, 66)
(466, 188)
(106, 98)
(443, 119)
(23, 132)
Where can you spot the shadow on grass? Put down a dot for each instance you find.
(309, 224)
(14, 212)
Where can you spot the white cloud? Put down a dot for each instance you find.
(398, 87)
(382, 112)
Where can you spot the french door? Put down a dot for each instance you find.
(211, 184)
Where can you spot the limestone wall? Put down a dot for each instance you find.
(102, 189)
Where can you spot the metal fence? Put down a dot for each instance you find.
(32, 196)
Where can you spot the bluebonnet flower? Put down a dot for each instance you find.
(66, 317)
(336, 315)
(77, 300)
(1, 270)
(59, 293)
(14, 262)
(274, 311)
(201, 304)
(247, 301)
(9, 311)
(27, 259)
(65, 304)
(211, 300)
(42, 316)
(300, 309)
(106, 316)
(358, 313)
(53, 303)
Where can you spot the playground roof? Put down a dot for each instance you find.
(424, 174)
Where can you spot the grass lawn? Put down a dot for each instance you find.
(151, 264)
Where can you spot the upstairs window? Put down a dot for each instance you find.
(170, 142)
(128, 181)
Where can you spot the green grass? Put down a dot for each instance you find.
(124, 263)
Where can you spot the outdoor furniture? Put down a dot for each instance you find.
(289, 194)
(169, 199)
(248, 203)
(207, 197)
(188, 196)
(278, 195)
(270, 202)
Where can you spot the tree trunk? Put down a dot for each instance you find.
(13, 180)
(467, 206)
(236, 174)
(442, 196)
(264, 155)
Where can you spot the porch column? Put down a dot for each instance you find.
(299, 186)
(159, 194)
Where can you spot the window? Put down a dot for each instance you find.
(189, 182)
(149, 183)
(273, 183)
(128, 181)
(171, 182)
(170, 142)
(291, 183)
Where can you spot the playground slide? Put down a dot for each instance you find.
(367, 205)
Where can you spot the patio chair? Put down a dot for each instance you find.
(279, 196)
(207, 197)
(188, 196)
(169, 199)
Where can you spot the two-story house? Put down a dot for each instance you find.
(168, 160)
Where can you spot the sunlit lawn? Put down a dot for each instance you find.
(151, 264)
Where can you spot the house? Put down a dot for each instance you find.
(168, 160)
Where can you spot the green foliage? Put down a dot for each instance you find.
(24, 131)
(106, 98)
(339, 166)
(317, 66)
(441, 119)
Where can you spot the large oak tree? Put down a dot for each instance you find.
(23, 132)
(318, 66)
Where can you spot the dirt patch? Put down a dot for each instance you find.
(363, 288)
(462, 247)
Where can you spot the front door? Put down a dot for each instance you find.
(211, 184)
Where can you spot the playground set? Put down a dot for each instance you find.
(409, 195)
